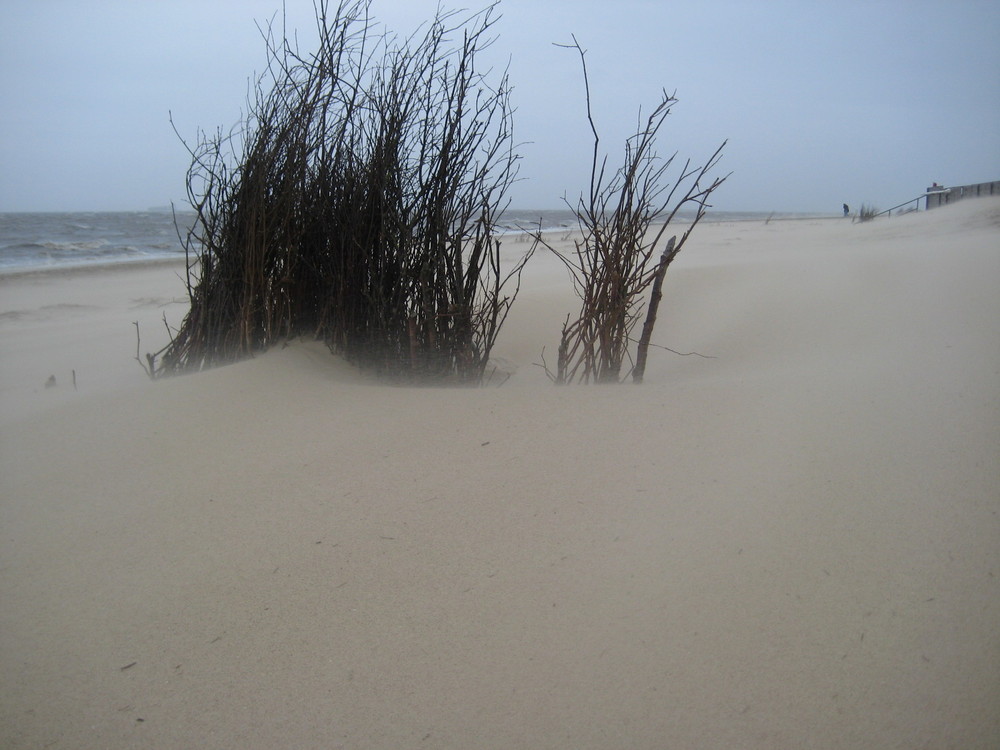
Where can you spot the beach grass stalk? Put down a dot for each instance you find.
(867, 212)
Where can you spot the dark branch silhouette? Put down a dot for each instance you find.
(623, 220)
(357, 201)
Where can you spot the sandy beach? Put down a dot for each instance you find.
(787, 537)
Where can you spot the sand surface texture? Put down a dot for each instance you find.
(791, 541)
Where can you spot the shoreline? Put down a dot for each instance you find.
(90, 267)
(504, 231)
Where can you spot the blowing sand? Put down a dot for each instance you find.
(790, 541)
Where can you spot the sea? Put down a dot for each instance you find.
(33, 241)
(36, 241)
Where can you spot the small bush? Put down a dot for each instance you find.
(623, 221)
(867, 212)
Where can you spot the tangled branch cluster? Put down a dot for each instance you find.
(623, 219)
(358, 202)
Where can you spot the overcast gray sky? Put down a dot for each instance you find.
(822, 102)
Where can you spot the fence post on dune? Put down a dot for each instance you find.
(939, 195)
(655, 295)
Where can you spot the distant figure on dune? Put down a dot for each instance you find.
(847, 209)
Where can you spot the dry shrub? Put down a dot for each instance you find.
(358, 202)
(623, 220)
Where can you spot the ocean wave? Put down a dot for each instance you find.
(46, 240)
(72, 247)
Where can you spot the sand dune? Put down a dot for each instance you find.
(788, 539)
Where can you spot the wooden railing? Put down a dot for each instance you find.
(914, 201)
(939, 195)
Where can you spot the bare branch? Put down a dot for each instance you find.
(612, 266)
